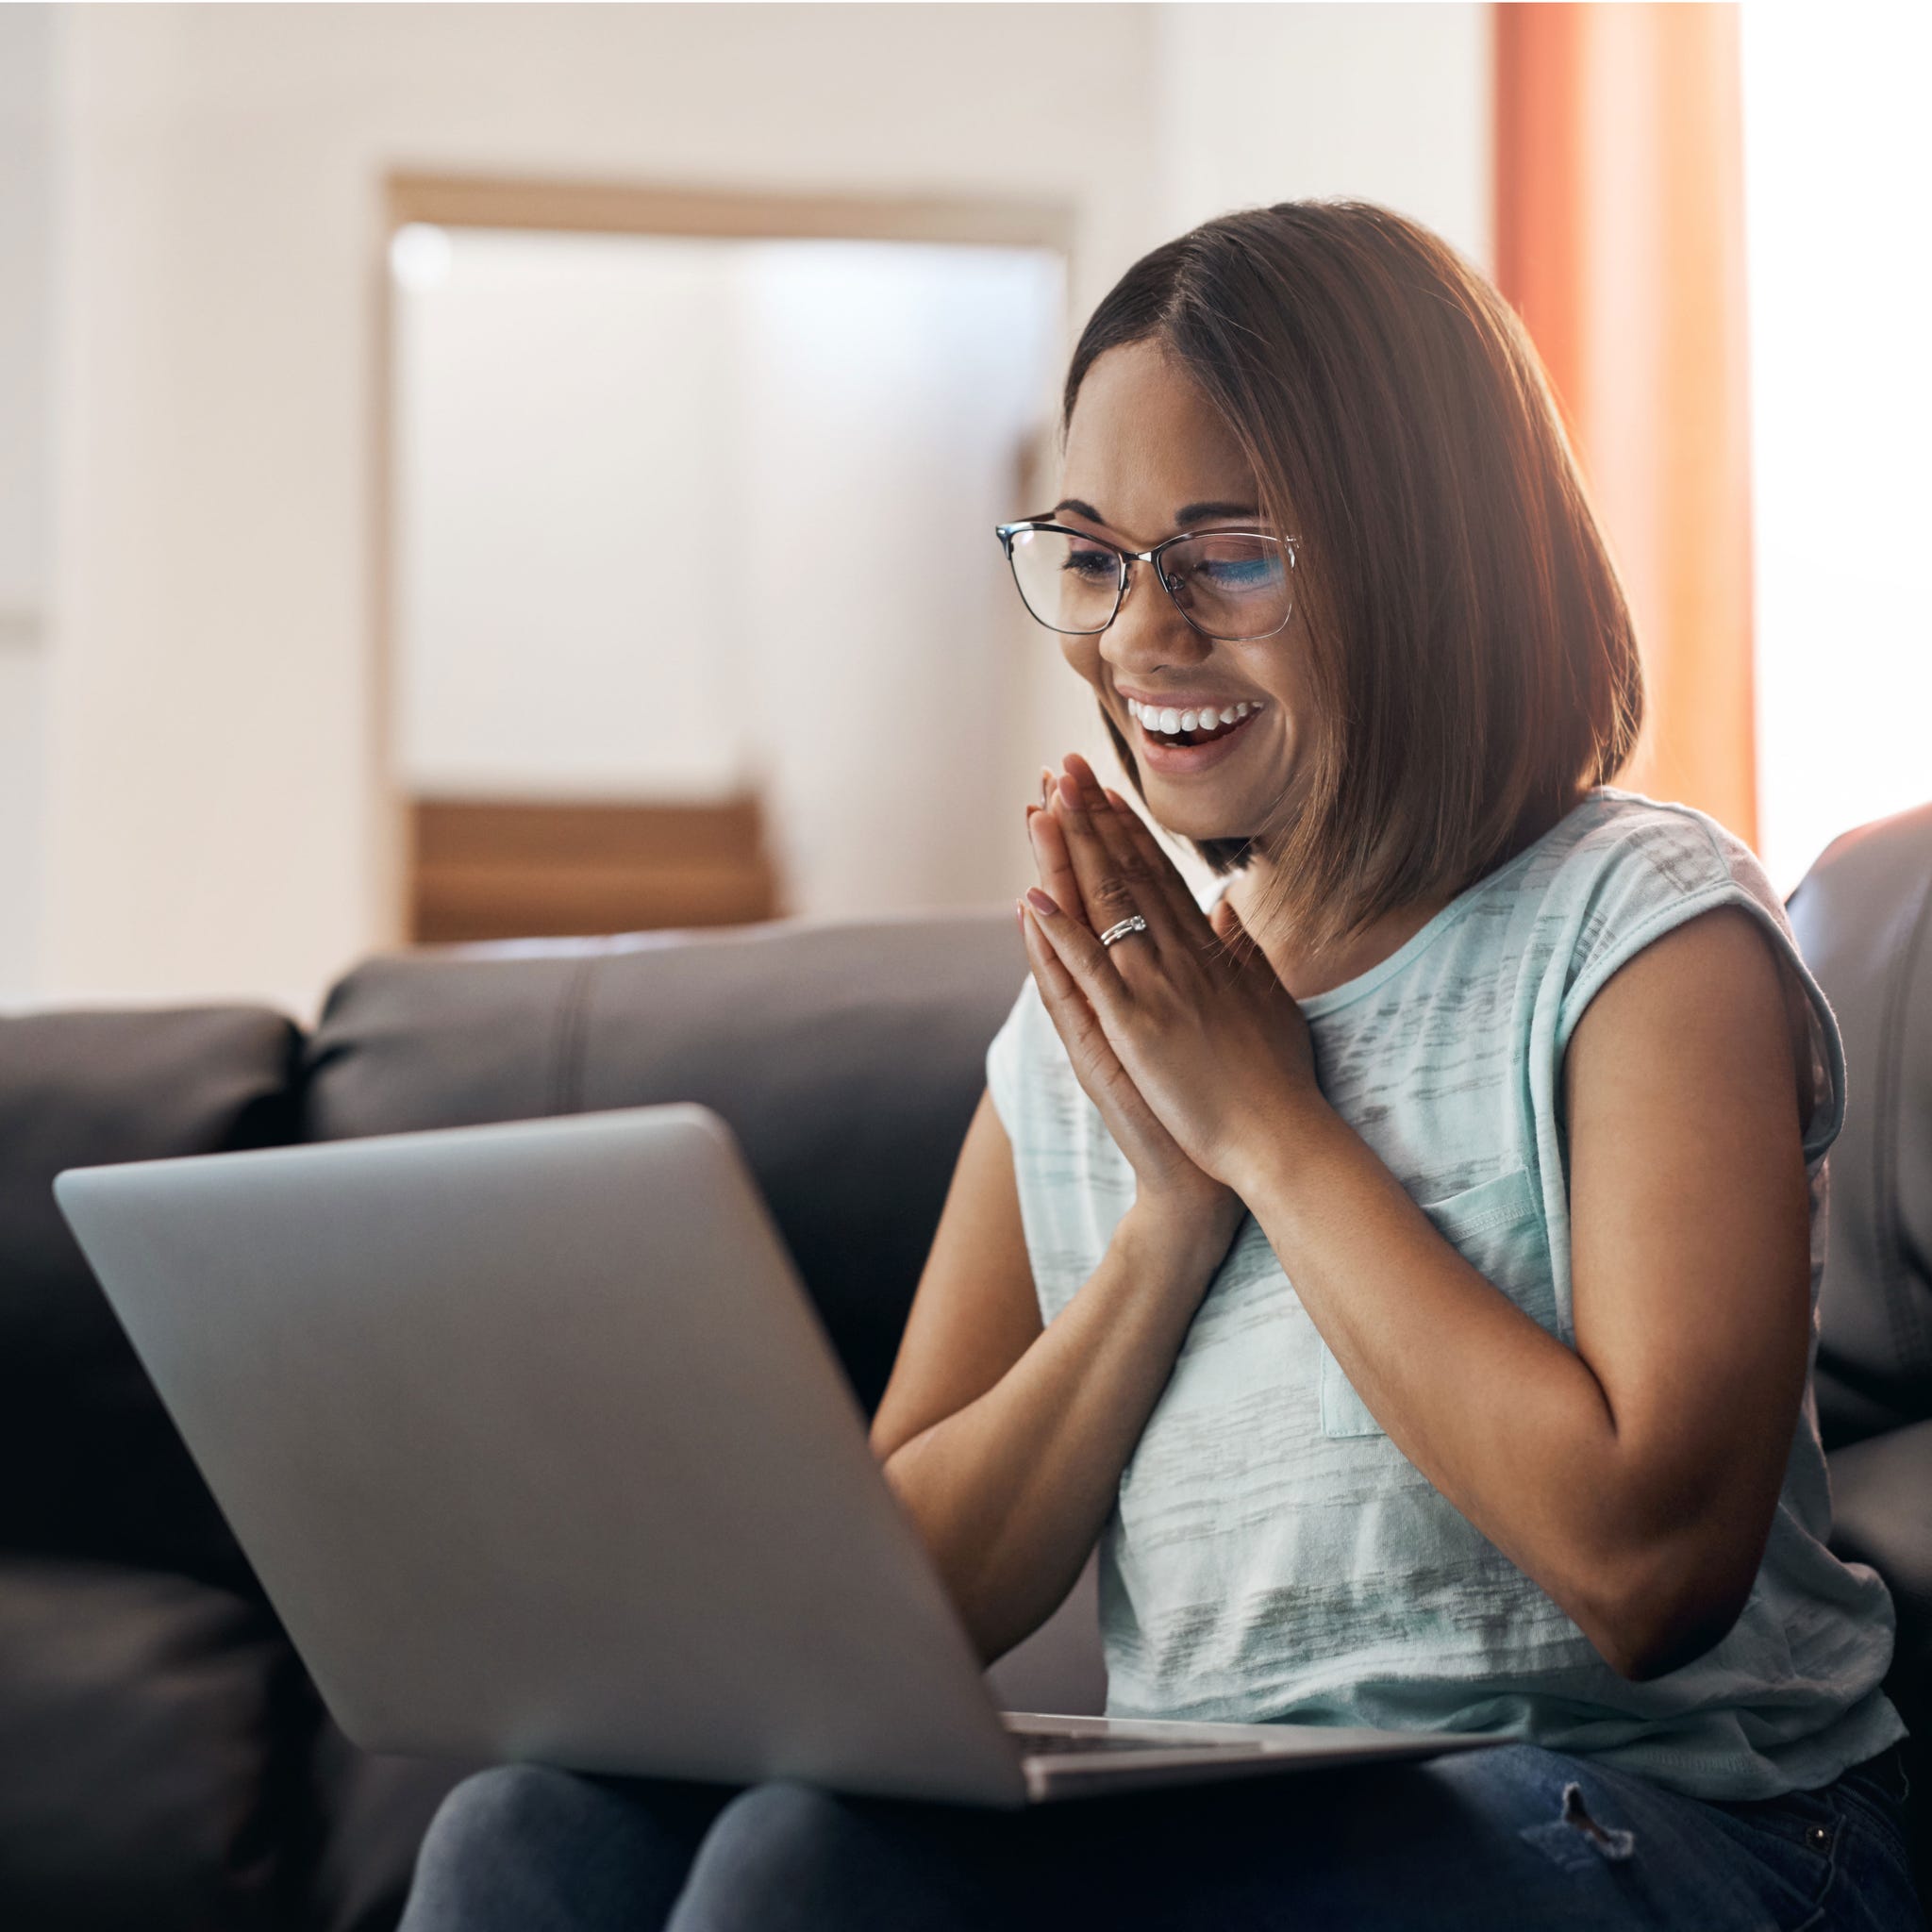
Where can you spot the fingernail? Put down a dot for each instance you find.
(1040, 903)
(1071, 793)
(1046, 786)
(1019, 915)
(1114, 799)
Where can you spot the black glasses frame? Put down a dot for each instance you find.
(1007, 532)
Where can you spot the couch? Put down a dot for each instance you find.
(164, 1760)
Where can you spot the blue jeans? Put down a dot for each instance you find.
(1492, 1841)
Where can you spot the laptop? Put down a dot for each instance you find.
(541, 1454)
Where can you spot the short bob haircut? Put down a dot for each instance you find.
(1471, 654)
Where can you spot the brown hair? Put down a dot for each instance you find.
(1470, 653)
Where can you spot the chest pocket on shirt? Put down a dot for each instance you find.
(1497, 1229)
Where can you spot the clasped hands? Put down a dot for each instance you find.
(1196, 1054)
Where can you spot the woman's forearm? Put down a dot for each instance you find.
(1010, 1493)
(1509, 1422)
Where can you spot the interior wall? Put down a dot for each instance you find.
(1840, 418)
(567, 437)
(680, 518)
(1376, 102)
(216, 820)
(886, 395)
(216, 825)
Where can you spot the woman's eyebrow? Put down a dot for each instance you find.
(1189, 513)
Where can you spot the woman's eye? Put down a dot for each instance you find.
(1090, 563)
(1253, 573)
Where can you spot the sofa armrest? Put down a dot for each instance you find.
(149, 1728)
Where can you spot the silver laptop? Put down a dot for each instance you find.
(541, 1453)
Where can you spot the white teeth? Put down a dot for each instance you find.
(1206, 718)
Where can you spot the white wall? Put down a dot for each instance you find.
(1371, 102)
(889, 389)
(29, 55)
(681, 518)
(215, 817)
(567, 437)
(1835, 185)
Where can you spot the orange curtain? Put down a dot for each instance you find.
(1620, 239)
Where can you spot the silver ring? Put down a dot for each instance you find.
(1134, 923)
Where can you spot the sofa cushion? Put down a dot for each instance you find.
(1863, 917)
(1881, 1509)
(89, 1465)
(145, 1752)
(847, 1058)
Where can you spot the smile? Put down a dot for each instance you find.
(1173, 722)
(1178, 741)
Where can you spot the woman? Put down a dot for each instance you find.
(1406, 1266)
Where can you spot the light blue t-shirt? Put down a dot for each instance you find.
(1273, 1555)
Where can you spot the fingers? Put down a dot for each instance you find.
(1232, 934)
(1125, 845)
(1057, 985)
(1081, 959)
(1115, 880)
(1057, 877)
(1136, 1130)
(1242, 949)
(1179, 894)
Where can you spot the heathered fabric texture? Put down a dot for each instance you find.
(1273, 1555)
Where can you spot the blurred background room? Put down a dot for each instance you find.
(524, 476)
(483, 472)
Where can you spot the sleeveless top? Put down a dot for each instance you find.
(1271, 1554)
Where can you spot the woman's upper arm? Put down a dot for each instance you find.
(1690, 1221)
(976, 1312)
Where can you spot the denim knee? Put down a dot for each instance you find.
(786, 1857)
(503, 1806)
(492, 1838)
(523, 1846)
(772, 1831)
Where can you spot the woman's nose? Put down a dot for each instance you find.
(1148, 631)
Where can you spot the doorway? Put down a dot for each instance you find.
(695, 613)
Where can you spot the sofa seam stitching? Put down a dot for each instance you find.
(567, 1085)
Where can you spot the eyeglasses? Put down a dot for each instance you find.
(1232, 586)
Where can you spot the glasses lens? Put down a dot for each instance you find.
(1231, 586)
(1068, 585)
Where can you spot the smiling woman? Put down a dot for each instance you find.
(1462, 662)
(1403, 1265)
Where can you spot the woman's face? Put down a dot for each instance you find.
(1147, 457)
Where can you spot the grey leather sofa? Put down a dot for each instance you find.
(164, 1762)
(1863, 918)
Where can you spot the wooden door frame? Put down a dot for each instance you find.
(558, 205)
